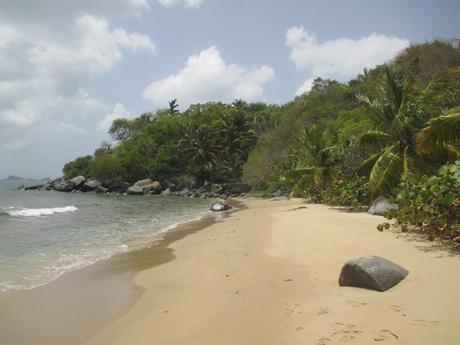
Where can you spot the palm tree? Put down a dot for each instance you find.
(237, 133)
(316, 164)
(200, 147)
(173, 107)
(441, 136)
(397, 119)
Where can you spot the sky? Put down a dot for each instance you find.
(69, 68)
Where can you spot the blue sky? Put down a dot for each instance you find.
(67, 69)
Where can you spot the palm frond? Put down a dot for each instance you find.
(374, 138)
(395, 87)
(441, 131)
(365, 168)
(386, 172)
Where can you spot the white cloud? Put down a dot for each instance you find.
(51, 76)
(118, 111)
(206, 77)
(341, 58)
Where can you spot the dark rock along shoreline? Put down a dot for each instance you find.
(143, 187)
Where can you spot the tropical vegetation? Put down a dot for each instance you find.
(392, 131)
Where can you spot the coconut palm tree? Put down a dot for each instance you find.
(237, 133)
(316, 164)
(397, 119)
(199, 145)
(441, 136)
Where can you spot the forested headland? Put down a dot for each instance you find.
(393, 131)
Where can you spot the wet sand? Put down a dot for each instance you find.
(78, 304)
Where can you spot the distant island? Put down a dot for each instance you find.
(12, 182)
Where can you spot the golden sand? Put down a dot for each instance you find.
(268, 275)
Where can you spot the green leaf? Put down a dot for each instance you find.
(386, 172)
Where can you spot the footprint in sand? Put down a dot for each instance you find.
(343, 333)
(384, 335)
(324, 341)
(396, 308)
(356, 303)
(290, 311)
(323, 311)
(425, 323)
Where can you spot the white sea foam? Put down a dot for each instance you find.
(36, 212)
(49, 266)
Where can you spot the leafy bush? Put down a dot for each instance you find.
(431, 204)
(79, 166)
(347, 191)
(106, 167)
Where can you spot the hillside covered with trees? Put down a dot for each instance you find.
(392, 131)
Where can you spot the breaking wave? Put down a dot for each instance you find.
(36, 212)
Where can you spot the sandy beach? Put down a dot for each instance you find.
(268, 275)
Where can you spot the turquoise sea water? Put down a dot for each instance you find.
(45, 234)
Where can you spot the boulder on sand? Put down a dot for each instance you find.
(219, 206)
(135, 190)
(371, 272)
(381, 206)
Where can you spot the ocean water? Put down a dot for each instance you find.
(45, 234)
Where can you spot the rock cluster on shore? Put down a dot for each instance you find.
(144, 187)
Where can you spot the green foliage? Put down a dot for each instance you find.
(347, 191)
(393, 123)
(431, 203)
(440, 135)
(121, 129)
(350, 124)
(200, 147)
(173, 107)
(106, 167)
(77, 167)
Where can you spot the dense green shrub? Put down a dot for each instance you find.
(79, 166)
(106, 167)
(431, 204)
(347, 191)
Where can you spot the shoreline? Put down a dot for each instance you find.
(70, 300)
(269, 276)
(266, 274)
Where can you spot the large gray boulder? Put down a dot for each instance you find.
(135, 190)
(219, 206)
(381, 206)
(90, 185)
(63, 186)
(371, 272)
(78, 181)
